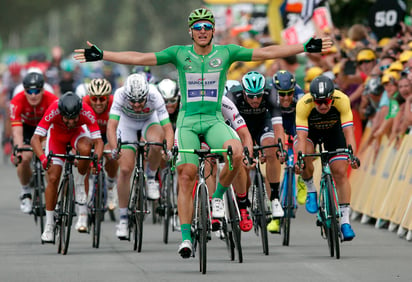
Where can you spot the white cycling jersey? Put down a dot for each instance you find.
(154, 106)
(231, 114)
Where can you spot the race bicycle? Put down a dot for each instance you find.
(201, 221)
(65, 207)
(37, 182)
(328, 212)
(137, 206)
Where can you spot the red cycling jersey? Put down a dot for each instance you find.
(53, 118)
(22, 112)
(103, 117)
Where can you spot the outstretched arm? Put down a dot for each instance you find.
(313, 45)
(127, 57)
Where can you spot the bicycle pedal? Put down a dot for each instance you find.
(124, 238)
(318, 223)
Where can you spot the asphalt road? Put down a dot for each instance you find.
(374, 255)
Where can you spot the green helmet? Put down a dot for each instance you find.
(200, 14)
(253, 83)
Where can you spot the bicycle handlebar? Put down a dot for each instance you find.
(205, 153)
(326, 154)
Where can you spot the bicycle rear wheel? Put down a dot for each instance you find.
(261, 205)
(167, 205)
(141, 210)
(288, 205)
(234, 222)
(334, 226)
(203, 227)
(67, 214)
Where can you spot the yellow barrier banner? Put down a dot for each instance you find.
(396, 188)
(407, 218)
(363, 203)
(404, 184)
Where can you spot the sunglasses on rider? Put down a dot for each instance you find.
(199, 26)
(326, 101)
(134, 101)
(253, 95)
(286, 93)
(34, 91)
(96, 98)
(171, 100)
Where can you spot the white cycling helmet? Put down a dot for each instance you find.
(168, 88)
(136, 87)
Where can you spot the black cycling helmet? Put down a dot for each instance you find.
(321, 87)
(284, 80)
(33, 80)
(70, 105)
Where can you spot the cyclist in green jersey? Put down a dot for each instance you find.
(202, 69)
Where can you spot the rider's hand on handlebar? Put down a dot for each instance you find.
(15, 159)
(355, 162)
(281, 156)
(115, 154)
(44, 161)
(299, 168)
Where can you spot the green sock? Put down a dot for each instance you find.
(220, 190)
(186, 234)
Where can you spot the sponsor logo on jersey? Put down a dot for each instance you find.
(51, 115)
(89, 115)
(214, 63)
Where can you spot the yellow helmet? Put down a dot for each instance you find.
(366, 55)
(391, 76)
(405, 56)
(336, 68)
(312, 72)
(396, 66)
(384, 41)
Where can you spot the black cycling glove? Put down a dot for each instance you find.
(93, 54)
(313, 45)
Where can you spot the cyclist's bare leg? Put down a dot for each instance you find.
(308, 170)
(54, 173)
(187, 179)
(155, 133)
(126, 164)
(272, 165)
(111, 166)
(339, 170)
(227, 176)
(24, 171)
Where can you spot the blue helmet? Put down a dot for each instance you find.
(284, 80)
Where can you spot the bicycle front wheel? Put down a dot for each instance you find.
(141, 210)
(38, 202)
(98, 206)
(261, 204)
(203, 227)
(334, 225)
(234, 222)
(167, 203)
(288, 205)
(67, 214)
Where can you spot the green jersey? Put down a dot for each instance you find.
(202, 78)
